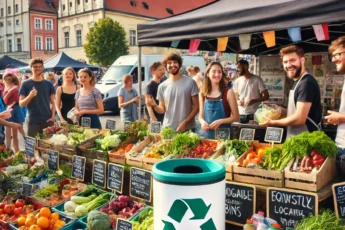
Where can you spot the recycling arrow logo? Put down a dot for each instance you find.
(197, 207)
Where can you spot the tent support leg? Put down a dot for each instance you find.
(140, 81)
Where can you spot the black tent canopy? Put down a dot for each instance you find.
(8, 62)
(230, 18)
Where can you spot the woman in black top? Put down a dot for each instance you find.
(65, 95)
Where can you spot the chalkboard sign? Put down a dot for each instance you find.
(222, 133)
(247, 134)
(86, 122)
(240, 201)
(155, 127)
(274, 135)
(128, 123)
(115, 177)
(99, 172)
(339, 199)
(53, 160)
(27, 189)
(30, 146)
(288, 206)
(78, 167)
(122, 224)
(110, 124)
(140, 184)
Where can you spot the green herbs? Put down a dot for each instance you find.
(145, 221)
(18, 158)
(183, 141)
(272, 158)
(327, 220)
(137, 130)
(46, 191)
(237, 147)
(168, 133)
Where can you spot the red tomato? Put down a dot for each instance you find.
(20, 203)
(2, 205)
(9, 209)
(1, 212)
(17, 211)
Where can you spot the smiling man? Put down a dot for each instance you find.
(337, 50)
(178, 96)
(304, 108)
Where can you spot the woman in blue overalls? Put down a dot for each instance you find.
(218, 105)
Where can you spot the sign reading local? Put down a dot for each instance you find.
(78, 167)
(240, 201)
(86, 122)
(339, 199)
(30, 146)
(99, 172)
(53, 160)
(247, 134)
(115, 177)
(288, 206)
(140, 184)
(274, 135)
(110, 124)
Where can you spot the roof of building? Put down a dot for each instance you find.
(49, 6)
(154, 8)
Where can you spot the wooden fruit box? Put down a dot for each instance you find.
(229, 172)
(256, 175)
(313, 181)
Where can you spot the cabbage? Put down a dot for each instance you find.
(58, 139)
(110, 142)
(88, 133)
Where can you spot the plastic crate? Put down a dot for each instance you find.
(75, 226)
(43, 176)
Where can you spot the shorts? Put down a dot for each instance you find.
(17, 115)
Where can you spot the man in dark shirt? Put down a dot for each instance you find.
(304, 110)
(158, 72)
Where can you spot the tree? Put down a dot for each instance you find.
(105, 42)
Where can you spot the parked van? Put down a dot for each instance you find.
(111, 82)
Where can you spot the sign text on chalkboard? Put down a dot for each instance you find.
(155, 127)
(27, 189)
(115, 177)
(274, 135)
(30, 146)
(140, 184)
(86, 122)
(78, 167)
(339, 199)
(222, 133)
(123, 224)
(240, 201)
(247, 134)
(110, 124)
(288, 206)
(53, 160)
(99, 172)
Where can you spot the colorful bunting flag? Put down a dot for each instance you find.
(270, 38)
(222, 42)
(194, 45)
(245, 41)
(321, 31)
(295, 34)
(175, 43)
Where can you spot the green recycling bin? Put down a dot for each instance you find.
(189, 194)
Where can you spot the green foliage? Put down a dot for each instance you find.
(106, 42)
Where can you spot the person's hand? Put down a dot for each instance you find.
(182, 126)
(33, 92)
(79, 113)
(52, 119)
(333, 117)
(150, 102)
(136, 99)
(214, 125)
(6, 114)
(204, 125)
(240, 103)
(267, 123)
(63, 122)
(250, 102)
(154, 119)
(15, 125)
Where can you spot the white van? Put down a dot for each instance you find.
(111, 82)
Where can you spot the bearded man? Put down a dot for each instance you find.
(304, 108)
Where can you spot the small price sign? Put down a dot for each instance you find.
(247, 134)
(27, 189)
(86, 122)
(115, 177)
(155, 127)
(53, 160)
(222, 133)
(30, 146)
(140, 184)
(78, 167)
(274, 135)
(98, 173)
(123, 224)
(110, 124)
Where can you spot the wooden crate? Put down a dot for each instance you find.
(313, 181)
(43, 143)
(229, 171)
(256, 175)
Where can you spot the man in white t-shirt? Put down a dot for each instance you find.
(250, 91)
(337, 50)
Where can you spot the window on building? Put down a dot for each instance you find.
(17, 22)
(17, 8)
(38, 23)
(70, 4)
(49, 24)
(9, 23)
(9, 10)
(63, 7)
(38, 43)
(86, 1)
(132, 37)
(1, 24)
(79, 39)
(66, 39)
(49, 44)
(2, 12)
(1, 46)
(19, 44)
(9, 45)
(78, 2)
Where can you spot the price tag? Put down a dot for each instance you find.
(339, 199)
(27, 189)
(155, 127)
(128, 123)
(86, 122)
(115, 177)
(247, 134)
(110, 124)
(53, 160)
(274, 135)
(122, 224)
(99, 172)
(140, 184)
(222, 133)
(30, 146)
(78, 167)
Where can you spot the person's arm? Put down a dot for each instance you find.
(264, 97)
(193, 113)
(9, 124)
(149, 108)
(335, 118)
(58, 103)
(52, 109)
(204, 124)
(125, 104)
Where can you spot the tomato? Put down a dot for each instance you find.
(17, 211)
(20, 203)
(2, 205)
(1, 211)
(9, 209)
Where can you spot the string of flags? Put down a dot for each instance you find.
(321, 33)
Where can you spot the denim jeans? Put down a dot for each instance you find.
(340, 162)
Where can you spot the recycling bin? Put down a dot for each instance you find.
(189, 194)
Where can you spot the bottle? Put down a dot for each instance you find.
(249, 225)
(258, 218)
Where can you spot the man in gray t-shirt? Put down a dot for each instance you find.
(178, 96)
